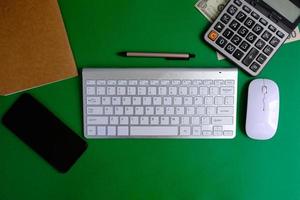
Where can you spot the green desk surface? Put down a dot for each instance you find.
(156, 168)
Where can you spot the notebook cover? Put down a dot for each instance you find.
(34, 48)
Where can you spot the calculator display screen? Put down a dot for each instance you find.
(285, 8)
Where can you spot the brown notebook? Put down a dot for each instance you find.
(34, 48)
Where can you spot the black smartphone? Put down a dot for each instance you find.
(35, 125)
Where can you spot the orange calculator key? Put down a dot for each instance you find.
(213, 35)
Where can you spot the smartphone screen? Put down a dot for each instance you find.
(35, 125)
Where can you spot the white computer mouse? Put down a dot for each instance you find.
(262, 109)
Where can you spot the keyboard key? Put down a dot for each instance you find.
(234, 25)
(123, 130)
(101, 130)
(268, 50)
(219, 27)
(226, 91)
(257, 29)
(238, 54)
(228, 110)
(98, 120)
(243, 31)
(91, 130)
(254, 67)
(251, 37)
(274, 41)
(232, 9)
(230, 48)
(111, 130)
(261, 58)
(221, 41)
(222, 120)
(93, 101)
(236, 40)
(263, 21)
(260, 44)
(153, 130)
(241, 16)
(245, 46)
(255, 15)
(266, 35)
(250, 57)
(225, 18)
(249, 23)
(228, 33)
(185, 131)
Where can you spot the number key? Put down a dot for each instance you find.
(236, 40)
(243, 31)
(221, 41)
(241, 16)
(234, 25)
(257, 29)
(228, 33)
(245, 46)
(251, 37)
(249, 23)
(230, 48)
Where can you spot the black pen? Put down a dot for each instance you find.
(169, 56)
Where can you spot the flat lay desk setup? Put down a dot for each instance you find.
(186, 127)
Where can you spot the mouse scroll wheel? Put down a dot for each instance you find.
(264, 90)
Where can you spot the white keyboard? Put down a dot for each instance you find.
(159, 103)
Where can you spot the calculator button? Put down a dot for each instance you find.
(238, 54)
(274, 41)
(255, 15)
(241, 16)
(263, 21)
(251, 37)
(258, 29)
(232, 9)
(234, 25)
(243, 31)
(247, 9)
(219, 27)
(268, 50)
(261, 58)
(213, 35)
(221, 41)
(237, 2)
(230, 48)
(228, 33)
(249, 23)
(245, 46)
(254, 67)
(236, 40)
(250, 57)
(225, 18)
(280, 34)
(272, 28)
(266, 35)
(260, 44)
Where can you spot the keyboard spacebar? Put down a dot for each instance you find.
(153, 130)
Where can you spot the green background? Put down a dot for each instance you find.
(156, 168)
